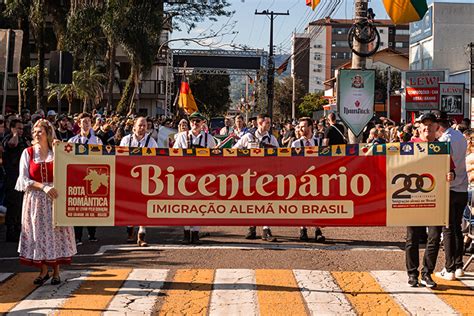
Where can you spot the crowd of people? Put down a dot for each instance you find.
(26, 178)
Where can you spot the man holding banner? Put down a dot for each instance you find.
(85, 137)
(261, 138)
(195, 138)
(308, 140)
(428, 129)
(139, 138)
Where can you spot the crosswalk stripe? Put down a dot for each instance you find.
(278, 293)
(321, 293)
(189, 293)
(416, 300)
(95, 292)
(47, 298)
(15, 289)
(456, 294)
(366, 295)
(234, 293)
(139, 293)
(468, 280)
(4, 276)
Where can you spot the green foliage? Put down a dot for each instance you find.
(85, 37)
(311, 102)
(282, 99)
(27, 78)
(193, 12)
(381, 79)
(212, 93)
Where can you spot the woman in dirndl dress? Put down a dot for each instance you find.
(41, 244)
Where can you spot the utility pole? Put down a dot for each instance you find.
(271, 63)
(389, 88)
(471, 81)
(293, 76)
(361, 7)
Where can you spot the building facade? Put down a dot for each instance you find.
(327, 48)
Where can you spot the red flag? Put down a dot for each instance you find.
(283, 66)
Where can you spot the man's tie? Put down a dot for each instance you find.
(307, 143)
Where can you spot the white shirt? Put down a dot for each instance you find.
(24, 180)
(250, 140)
(125, 142)
(458, 154)
(200, 140)
(226, 130)
(306, 142)
(89, 140)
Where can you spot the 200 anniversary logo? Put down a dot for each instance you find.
(413, 183)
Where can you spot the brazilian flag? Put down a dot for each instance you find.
(405, 11)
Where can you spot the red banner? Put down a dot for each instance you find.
(342, 185)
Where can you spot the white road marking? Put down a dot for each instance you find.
(139, 293)
(4, 276)
(468, 279)
(322, 294)
(234, 293)
(415, 300)
(47, 299)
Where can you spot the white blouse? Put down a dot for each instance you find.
(24, 180)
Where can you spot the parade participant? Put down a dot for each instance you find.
(195, 138)
(334, 133)
(307, 140)
(41, 244)
(289, 135)
(261, 138)
(138, 138)
(62, 131)
(227, 129)
(239, 127)
(14, 143)
(452, 234)
(151, 130)
(428, 129)
(85, 137)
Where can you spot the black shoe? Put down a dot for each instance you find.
(318, 236)
(187, 237)
(304, 234)
(40, 280)
(252, 233)
(55, 281)
(195, 237)
(93, 239)
(413, 281)
(267, 235)
(78, 242)
(427, 281)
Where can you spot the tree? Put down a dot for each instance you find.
(311, 102)
(67, 91)
(89, 86)
(283, 97)
(381, 79)
(27, 81)
(212, 93)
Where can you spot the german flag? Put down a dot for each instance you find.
(186, 100)
(283, 66)
(312, 3)
(405, 11)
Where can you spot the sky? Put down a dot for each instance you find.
(254, 30)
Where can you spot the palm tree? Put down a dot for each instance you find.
(89, 86)
(67, 91)
(140, 41)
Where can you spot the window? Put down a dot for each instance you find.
(401, 44)
(381, 31)
(340, 31)
(340, 44)
(402, 32)
(317, 56)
